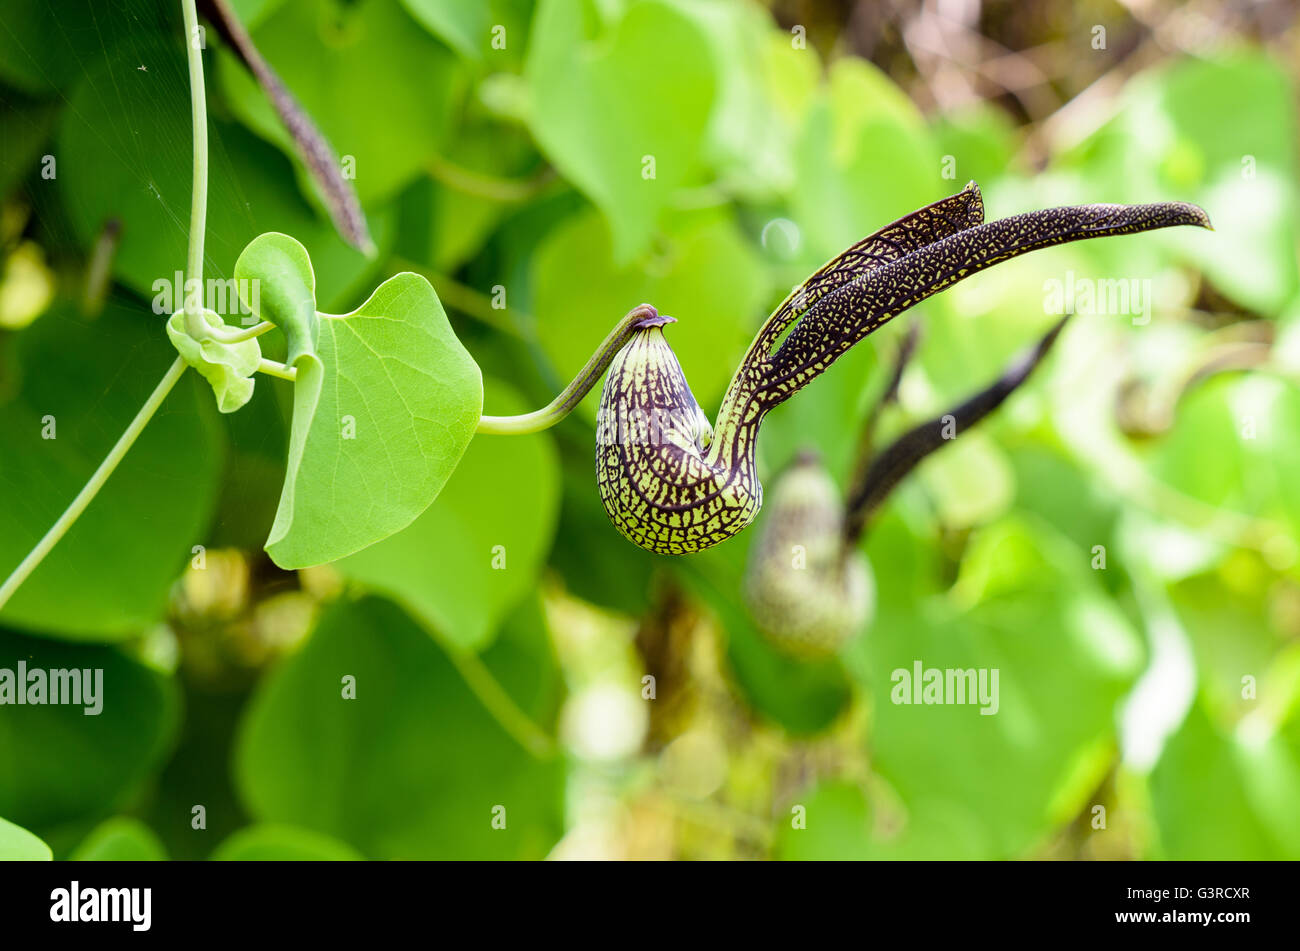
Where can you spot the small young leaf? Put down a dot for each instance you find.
(229, 367)
(279, 267)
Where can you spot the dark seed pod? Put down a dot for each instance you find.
(805, 591)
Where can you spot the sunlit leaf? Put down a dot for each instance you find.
(385, 402)
(464, 564)
(608, 120)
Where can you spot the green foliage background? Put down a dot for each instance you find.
(1161, 691)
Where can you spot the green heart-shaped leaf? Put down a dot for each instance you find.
(623, 127)
(502, 546)
(427, 788)
(385, 402)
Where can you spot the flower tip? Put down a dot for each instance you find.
(1199, 217)
(647, 317)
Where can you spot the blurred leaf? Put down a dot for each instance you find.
(276, 843)
(24, 128)
(839, 826)
(45, 48)
(339, 60)
(462, 26)
(1064, 657)
(707, 277)
(1226, 618)
(87, 380)
(120, 839)
(309, 758)
(253, 12)
(601, 108)
(1223, 795)
(255, 468)
(1220, 132)
(61, 765)
(596, 562)
(464, 564)
(970, 481)
(749, 142)
(1056, 491)
(864, 160)
(19, 845)
(1232, 446)
(123, 149)
(982, 141)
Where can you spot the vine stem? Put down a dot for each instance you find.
(272, 368)
(195, 326)
(194, 323)
(587, 377)
(96, 482)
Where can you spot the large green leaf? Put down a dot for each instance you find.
(604, 105)
(59, 765)
(109, 576)
(385, 401)
(497, 513)
(414, 766)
